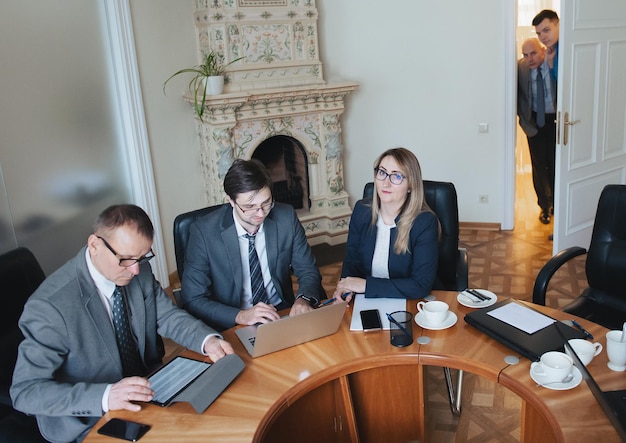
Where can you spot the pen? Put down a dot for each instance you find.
(583, 330)
(331, 300)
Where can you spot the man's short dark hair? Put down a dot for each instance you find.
(545, 14)
(245, 176)
(121, 215)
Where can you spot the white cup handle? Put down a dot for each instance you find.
(598, 347)
(420, 306)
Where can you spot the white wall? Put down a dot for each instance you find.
(428, 74)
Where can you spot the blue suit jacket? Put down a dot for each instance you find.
(69, 354)
(411, 275)
(213, 279)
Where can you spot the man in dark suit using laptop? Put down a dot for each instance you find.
(239, 258)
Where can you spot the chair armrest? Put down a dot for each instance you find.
(462, 271)
(548, 270)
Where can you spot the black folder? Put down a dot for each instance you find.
(531, 346)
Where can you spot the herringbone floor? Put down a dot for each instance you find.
(507, 263)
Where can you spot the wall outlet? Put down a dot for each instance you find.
(483, 198)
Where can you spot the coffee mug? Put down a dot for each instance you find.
(584, 349)
(616, 350)
(552, 367)
(434, 312)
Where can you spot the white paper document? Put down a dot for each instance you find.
(521, 317)
(384, 306)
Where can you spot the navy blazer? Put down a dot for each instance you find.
(411, 275)
(212, 283)
(70, 355)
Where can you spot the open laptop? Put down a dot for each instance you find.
(290, 331)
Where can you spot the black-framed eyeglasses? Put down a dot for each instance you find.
(394, 177)
(265, 207)
(128, 262)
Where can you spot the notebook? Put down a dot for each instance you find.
(522, 328)
(384, 306)
(290, 331)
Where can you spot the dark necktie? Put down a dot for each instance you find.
(131, 363)
(256, 277)
(541, 100)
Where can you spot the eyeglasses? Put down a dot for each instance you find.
(394, 177)
(265, 207)
(128, 262)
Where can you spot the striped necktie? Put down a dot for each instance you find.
(131, 363)
(256, 277)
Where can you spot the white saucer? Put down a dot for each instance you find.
(578, 377)
(450, 320)
(467, 299)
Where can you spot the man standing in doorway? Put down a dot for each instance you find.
(536, 108)
(546, 25)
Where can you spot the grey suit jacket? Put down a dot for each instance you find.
(525, 98)
(212, 283)
(69, 354)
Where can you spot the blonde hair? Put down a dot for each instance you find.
(415, 202)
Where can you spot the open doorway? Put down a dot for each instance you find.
(526, 207)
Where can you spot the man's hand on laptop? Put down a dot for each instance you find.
(300, 306)
(259, 313)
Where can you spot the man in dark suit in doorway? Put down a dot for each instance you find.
(536, 108)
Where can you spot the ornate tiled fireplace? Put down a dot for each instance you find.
(276, 107)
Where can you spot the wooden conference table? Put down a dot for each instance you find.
(355, 386)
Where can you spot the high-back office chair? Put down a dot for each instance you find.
(20, 275)
(182, 223)
(452, 269)
(604, 301)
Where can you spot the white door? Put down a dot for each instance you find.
(591, 143)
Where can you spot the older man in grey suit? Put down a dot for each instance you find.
(71, 367)
(239, 259)
(536, 108)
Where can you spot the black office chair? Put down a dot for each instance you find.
(452, 269)
(20, 275)
(182, 223)
(604, 301)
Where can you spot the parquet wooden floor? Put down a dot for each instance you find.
(507, 263)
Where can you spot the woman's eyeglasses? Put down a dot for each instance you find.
(394, 177)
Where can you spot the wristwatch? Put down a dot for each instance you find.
(310, 300)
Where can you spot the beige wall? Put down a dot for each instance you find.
(428, 74)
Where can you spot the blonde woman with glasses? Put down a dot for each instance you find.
(392, 249)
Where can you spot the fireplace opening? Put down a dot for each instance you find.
(286, 161)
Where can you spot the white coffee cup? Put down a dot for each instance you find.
(552, 367)
(434, 312)
(616, 350)
(584, 349)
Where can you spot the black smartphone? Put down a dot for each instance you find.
(370, 318)
(124, 429)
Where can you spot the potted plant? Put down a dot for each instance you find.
(208, 79)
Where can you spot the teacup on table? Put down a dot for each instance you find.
(552, 367)
(616, 350)
(585, 350)
(434, 312)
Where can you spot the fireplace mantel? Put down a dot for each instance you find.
(277, 89)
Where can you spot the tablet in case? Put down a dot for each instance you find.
(531, 346)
